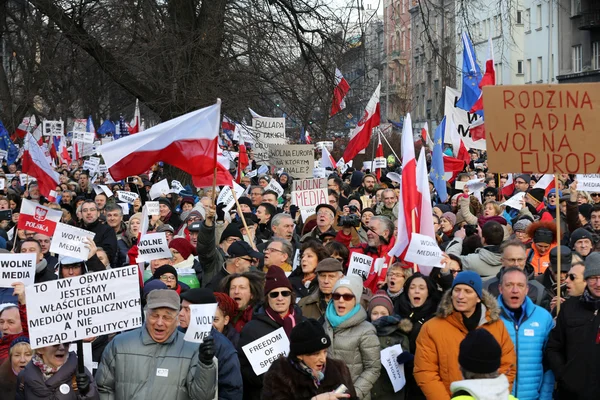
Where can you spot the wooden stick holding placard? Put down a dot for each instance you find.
(391, 148)
(558, 267)
(239, 208)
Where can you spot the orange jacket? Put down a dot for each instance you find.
(540, 263)
(436, 358)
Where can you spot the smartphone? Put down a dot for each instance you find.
(342, 389)
(5, 215)
(131, 179)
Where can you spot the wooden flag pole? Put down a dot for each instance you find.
(390, 146)
(214, 187)
(558, 263)
(244, 221)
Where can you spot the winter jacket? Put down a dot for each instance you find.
(210, 256)
(8, 381)
(436, 365)
(539, 262)
(529, 336)
(355, 343)
(31, 384)
(389, 334)
(44, 273)
(572, 351)
(485, 261)
(300, 288)
(105, 238)
(482, 389)
(283, 381)
(313, 305)
(260, 326)
(132, 361)
(5, 340)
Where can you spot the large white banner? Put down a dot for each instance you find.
(267, 131)
(462, 121)
(17, 268)
(94, 304)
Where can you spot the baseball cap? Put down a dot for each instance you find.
(241, 249)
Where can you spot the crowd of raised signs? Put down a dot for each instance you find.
(310, 304)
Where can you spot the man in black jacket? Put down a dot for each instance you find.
(105, 235)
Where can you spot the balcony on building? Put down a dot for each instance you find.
(589, 20)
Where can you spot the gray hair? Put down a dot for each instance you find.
(276, 220)
(286, 247)
(387, 224)
(473, 375)
(262, 190)
(113, 207)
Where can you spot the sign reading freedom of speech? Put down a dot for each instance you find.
(94, 304)
(17, 268)
(68, 241)
(267, 131)
(543, 128)
(263, 351)
(298, 160)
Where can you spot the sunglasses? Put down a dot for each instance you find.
(595, 194)
(283, 293)
(345, 296)
(571, 277)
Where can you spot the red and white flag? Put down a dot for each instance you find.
(546, 182)
(52, 196)
(37, 218)
(327, 161)
(459, 149)
(378, 154)
(136, 122)
(489, 77)
(425, 135)
(243, 160)
(425, 217)
(360, 137)
(36, 164)
(307, 138)
(23, 128)
(339, 93)
(477, 130)
(509, 186)
(188, 142)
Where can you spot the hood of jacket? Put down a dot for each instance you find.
(491, 258)
(490, 311)
(483, 389)
(41, 266)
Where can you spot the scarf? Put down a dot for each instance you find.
(166, 218)
(587, 298)
(472, 322)
(288, 322)
(334, 319)
(394, 295)
(307, 281)
(47, 371)
(242, 317)
(300, 366)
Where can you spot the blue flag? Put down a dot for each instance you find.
(106, 128)
(7, 145)
(302, 136)
(471, 77)
(397, 125)
(437, 162)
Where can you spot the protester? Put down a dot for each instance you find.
(105, 236)
(167, 214)
(279, 253)
(246, 289)
(19, 355)
(575, 282)
(226, 310)
(325, 221)
(13, 321)
(329, 271)
(397, 274)
(43, 271)
(168, 275)
(543, 234)
(304, 279)
(241, 256)
(484, 261)
(548, 278)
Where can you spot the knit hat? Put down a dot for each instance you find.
(578, 234)
(553, 191)
(199, 296)
(443, 207)
(308, 337)
(226, 303)
(183, 246)
(17, 340)
(543, 235)
(380, 299)
(537, 194)
(276, 278)
(586, 210)
(153, 285)
(329, 265)
(189, 200)
(480, 352)
(231, 230)
(592, 265)
(471, 279)
(450, 217)
(566, 257)
(163, 298)
(525, 177)
(195, 226)
(245, 200)
(369, 175)
(166, 202)
(356, 179)
(521, 225)
(164, 269)
(352, 282)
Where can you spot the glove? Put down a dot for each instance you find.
(220, 212)
(83, 383)
(207, 351)
(404, 357)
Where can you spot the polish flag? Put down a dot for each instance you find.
(75, 150)
(488, 79)
(22, 129)
(425, 217)
(408, 201)
(135, 124)
(307, 138)
(379, 154)
(339, 93)
(546, 182)
(453, 166)
(224, 178)
(327, 160)
(36, 164)
(52, 196)
(37, 134)
(243, 160)
(477, 129)
(188, 142)
(360, 137)
(37, 218)
(425, 135)
(459, 149)
(509, 186)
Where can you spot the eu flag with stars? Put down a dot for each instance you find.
(437, 162)
(7, 145)
(471, 77)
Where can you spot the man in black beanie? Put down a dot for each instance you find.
(479, 359)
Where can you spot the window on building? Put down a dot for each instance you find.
(527, 20)
(528, 70)
(575, 7)
(498, 70)
(576, 58)
(539, 68)
(538, 16)
(519, 17)
(520, 67)
(497, 25)
(595, 55)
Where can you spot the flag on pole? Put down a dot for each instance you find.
(546, 182)
(36, 164)
(437, 173)
(12, 152)
(489, 78)
(339, 93)
(360, 137)
(37, 218)
(23, 128)
(509, 186)
(136, 122)
(307, 138)
(89, 126)
(378, 154)
(425, 209)
(327, 161)
(459, 149)
(107, 127)
(425, 135)
(471, 76)
(243, 160)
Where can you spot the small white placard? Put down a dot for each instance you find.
(394, 370)
(262, 352)
(360, 264)
(68, 241)
(201, 320)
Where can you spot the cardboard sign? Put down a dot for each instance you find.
(84, 137)
(267, 132)
(394, 370)
(360, 264)
(94, 304)
(423, 250)
(153, 246)
(308, 200)
(262, 352)
(127, 197)
(91, 164)
(153, 207)
(463, 121)
(159, 189)
(124, 208)
(201, 320)
(296, 159)
(309, 184)
(17, 268)
(53, 128)
(588, 183)
(543, 128)
(68, 241)
(275, 186)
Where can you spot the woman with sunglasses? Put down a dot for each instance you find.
(353, 339)
(278, 311)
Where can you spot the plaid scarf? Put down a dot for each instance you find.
(587, 297)
(300, 366)
(47, 371)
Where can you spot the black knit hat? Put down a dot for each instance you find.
(231, 230)
(578, 234)
(166, 202)
(165, 269)
(479, 352)
(308, 337)
(245, 200)
(199, 296)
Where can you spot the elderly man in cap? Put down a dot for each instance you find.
(548, 278)
(573, 351)
(230, 376)
(154, 362)
(241, 256)
(325, 221)
(329, 271)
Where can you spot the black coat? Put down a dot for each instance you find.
(573, 352)
(105, 238)
(296, 281)
(283, 381)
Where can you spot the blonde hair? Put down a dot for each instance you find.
(495, 204)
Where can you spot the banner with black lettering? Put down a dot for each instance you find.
(201, 320)
(17, 268)
(94, 304)
(68, 241)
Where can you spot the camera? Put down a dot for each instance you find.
(352, 209)
(350, 220)
(470, 230)
(5, 215)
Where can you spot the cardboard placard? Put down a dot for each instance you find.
(263, 351)
(296, 159)
(68, 241)
(309, 184)
(201, 322)
(153, 246)
(308, 200)
(360, 264)
(17, 268)
(84, 137)
(379, 162)
(94, 304)
(543, 128)
(102, 169)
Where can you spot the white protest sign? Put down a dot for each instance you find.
(102, 169)
(423, 250)
(296, 159)
(153, 246)
(3, 154)
(201, 320)
(341, 165)
(319, 172)
(475, 185)
(26, 179)
(17, 268)
(11, 233)
(394, 370)
(88, 149)
(105, 140)
(109, 178)
(368, 165)
(9, 177)
(262, 352)
(275, 186)
(106, 190)
(91, 165)
(588, 183)
(68, 241)
(127, 197)
(226, 196)
(296, 259)
(159, 189)
(515, 201)
(53, 128)
(93, 304)
(252, 173)
(309, 184)
(84, 137)
(379, 162)
(176, 186)
(360, 264)
(124, 207)
(153, 207)
(266, 132)
(308, 200)
(2, 183)
(97, 189)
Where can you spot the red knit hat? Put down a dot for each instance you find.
(276, 278)
(184, 247)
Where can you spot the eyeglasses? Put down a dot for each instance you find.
(551, 196)
(325, 213)
(395, 275)
(595, 194)
(593, 279)
(454, 271)
(572, 277)
(345, 296)
(283, 293)
(270, 249)
(167, 278)
(250, 260)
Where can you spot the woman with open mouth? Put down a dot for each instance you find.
(19, 355)
(52, 374)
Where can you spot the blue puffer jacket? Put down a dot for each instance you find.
(529, 337)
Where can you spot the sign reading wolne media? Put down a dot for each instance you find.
(543, 128)
(94, 304)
